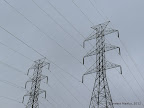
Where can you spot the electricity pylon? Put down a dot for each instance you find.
(35, 83)
(101, 97)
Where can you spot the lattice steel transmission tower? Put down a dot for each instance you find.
(101, 97)
(35, 83)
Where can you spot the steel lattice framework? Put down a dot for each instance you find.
(101, 97)
(35, 83)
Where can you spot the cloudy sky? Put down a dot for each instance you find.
(56, 29)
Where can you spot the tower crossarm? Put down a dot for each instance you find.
(109, 47)
(33, 79)
(102, 33)
(110, 65)
(39, 63)
(94, 69)
(95, 50)
(31, 94)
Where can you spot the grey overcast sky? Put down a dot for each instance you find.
(56, 29)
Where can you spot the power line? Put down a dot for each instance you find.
(96, 9)
(105, 18)
(55, 22)
(84, 15)
(43, 33)
(118, 90)
(36, 51)
(62, 16)
(15, 51)
(41, 54)
(42, 104)
(20, 40)
(73, 87)
(61, 28)
(48, 14)
(82, 12)
(130, 87)
(131, 73)
(65, 18)
(131, 59)
(37, 28)
(68, 91)
(12, 84)
(67, 21)
(132, 90)
(61, 99)
(8, 98)
(1, 62)
(52, 100)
